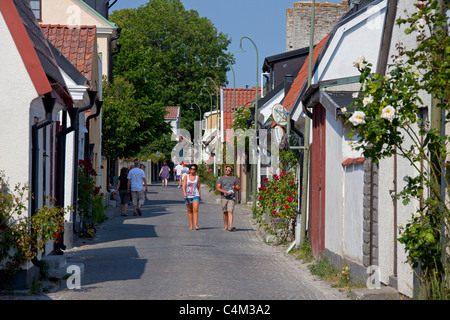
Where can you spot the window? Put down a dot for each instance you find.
(36, 6)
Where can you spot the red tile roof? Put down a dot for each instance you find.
(302, 76)
(353, 161)
(76, 43)
(243, 97)
(172, 113)
(34, 49)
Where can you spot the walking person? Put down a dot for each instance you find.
(227, 185)
(164, 173)
(122, 186)
(178, 171)
(136, 182)
(191, 191)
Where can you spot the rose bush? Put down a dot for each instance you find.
(90, 198)
(277, 201)
(23, 236)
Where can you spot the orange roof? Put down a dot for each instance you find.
(243, 97)
(302, 76)
(34, 49)
(172, 113)
(76, 43)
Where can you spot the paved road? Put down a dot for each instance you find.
(156, 256)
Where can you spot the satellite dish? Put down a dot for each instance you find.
(279, 114)
(280, 136)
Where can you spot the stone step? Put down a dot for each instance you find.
(59, 267)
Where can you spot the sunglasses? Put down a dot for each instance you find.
(228, 170)
(193, 168)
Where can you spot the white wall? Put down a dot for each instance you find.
(359, 37)
(16, 93)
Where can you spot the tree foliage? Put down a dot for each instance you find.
(166, 54)
(129, 123)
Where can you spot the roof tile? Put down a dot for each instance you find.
(243, 97)
(77, 44)
(302, 76)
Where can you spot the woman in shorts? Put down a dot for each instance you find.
(191, 191)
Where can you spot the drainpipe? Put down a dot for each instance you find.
(61, 151)
(49, 104)
(307, 135)
(98, 104)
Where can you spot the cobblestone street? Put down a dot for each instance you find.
(156, 256)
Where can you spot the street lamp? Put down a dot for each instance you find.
(234, 78)
(255, 169)
(192, 108)
(210, 98)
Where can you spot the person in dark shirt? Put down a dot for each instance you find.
(227, 185)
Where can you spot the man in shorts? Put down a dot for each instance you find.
(227, 185)
(136, 183)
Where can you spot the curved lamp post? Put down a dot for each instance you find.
(234, 78)
(255, 169)
(210, 98)
(192, 108)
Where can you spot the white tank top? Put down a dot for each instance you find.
(192, 187)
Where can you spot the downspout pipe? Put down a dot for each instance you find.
(98, 104)
(49, 104)
(61, 151)
(306, 142)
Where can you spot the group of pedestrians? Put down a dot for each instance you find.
(227, 185)
(132, 182)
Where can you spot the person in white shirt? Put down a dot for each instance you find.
(136, 185)
(178, 172)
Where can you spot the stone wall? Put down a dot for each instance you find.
(298, 22)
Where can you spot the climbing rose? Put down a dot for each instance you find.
(286, 206)
(290, 198)
(388, 113)
(357, 118)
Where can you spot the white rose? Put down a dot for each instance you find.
(357, 118)
(360, 62)
(367, 100)
(388, 113)
(355, 95)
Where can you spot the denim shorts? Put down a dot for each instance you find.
(190, 200)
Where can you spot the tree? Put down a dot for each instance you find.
(129, 123)
(167, 52)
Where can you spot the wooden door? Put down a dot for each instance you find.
(317, 213)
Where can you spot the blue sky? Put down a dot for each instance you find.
(264, 21)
